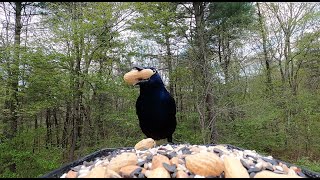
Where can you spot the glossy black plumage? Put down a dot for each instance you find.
(156, 109)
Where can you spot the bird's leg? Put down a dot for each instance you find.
(169, 139)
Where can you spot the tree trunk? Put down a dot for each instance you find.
(65, 134)
(11, 103)
(49, 130)
(209, 118)
(74, 137)
(56, 126)
(77, 121)
(267, 61)
(99, 100)
(36, 138)
(224, 55)
(13, 72)
(169, 64)
(101, 131)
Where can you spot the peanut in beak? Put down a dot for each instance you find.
(134, 76)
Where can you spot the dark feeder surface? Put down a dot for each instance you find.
(107, 151)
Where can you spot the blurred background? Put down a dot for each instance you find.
(241, 73)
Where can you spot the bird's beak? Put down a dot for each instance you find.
(138, 75)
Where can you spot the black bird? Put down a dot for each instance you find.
(155, 107)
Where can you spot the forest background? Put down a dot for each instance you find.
(241, 73)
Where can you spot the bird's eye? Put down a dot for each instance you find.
(154, 70)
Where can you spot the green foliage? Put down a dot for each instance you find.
(231, 18)
(19, 151)
(306, 163)
(267, 129)
(187, 132)
(156, 20)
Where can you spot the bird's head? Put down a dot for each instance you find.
(143, 76)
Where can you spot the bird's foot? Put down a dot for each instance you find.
(171, 143)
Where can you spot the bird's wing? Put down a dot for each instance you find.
(170, 104)
(139, 106)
